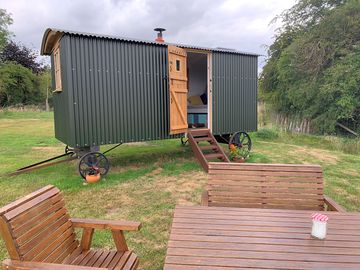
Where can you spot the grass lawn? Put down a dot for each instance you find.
(147, 180)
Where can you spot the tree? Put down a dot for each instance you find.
(312, 67)
(5, 21)
(22, 55)
(18, 85)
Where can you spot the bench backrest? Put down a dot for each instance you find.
(38, 227)
(265, 186)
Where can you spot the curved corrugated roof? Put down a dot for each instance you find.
(51, 35)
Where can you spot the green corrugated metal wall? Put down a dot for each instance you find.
(117, 92)
(234, 90)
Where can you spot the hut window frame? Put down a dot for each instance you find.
(57, 68)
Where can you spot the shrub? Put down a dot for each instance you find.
(267, 134)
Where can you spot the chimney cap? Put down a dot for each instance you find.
(159, 29)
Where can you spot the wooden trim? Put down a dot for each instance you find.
(51, 39)
(209, 83)
(209, 93)
(196, 51)
(205, 198)
(57, 67)
(332, 205)
(106, 224)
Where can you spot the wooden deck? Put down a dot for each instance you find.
(217, 238)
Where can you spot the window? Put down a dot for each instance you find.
(177, 65)
(57, 68)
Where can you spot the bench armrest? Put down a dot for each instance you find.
(116, 226)
(23, 265)
(332, 205)
(99, 224)
(205, 198)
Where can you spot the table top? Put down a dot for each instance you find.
(218, 238)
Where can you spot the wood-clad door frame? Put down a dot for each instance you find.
(209, 84)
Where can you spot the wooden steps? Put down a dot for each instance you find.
(205, 147)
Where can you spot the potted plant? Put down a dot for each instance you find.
(93, 175)
(238, 154)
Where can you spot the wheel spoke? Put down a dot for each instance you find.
(99, 160)
(244, 137)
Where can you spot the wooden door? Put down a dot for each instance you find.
(178, 90)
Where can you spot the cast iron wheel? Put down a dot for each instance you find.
(241, 139)
(184, 141)
(93, 161)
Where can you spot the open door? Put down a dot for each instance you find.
(178, 90)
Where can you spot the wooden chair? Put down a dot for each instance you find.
(39, 234)
(267, 186)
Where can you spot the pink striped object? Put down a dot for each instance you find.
(319, 217)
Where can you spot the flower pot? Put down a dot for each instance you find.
(239, 160)
(92, 178)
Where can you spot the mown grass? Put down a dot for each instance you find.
(148, 179)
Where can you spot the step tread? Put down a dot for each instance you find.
(201, 139)
(214, 155)
(209, 147)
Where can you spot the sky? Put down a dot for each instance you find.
(237, 24)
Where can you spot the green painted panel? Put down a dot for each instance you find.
(117, 91)
(234, 93)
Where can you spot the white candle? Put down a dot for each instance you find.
(319, 225)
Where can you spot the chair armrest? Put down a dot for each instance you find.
(332, 205)
(116, 226)
(23, 265)
(99, 224)
(205, 198)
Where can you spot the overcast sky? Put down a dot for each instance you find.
(237, 24)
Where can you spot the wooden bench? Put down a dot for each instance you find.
(267, 186)
(39, 234)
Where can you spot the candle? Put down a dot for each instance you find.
(319, 225)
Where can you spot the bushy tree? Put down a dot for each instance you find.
(18, 85)
(22, 55)
(319, 41)
(23, 80)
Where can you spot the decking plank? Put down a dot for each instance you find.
(218, 238)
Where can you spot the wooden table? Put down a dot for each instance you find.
(218, 238)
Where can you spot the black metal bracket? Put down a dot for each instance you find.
(112, 148)
(45, 161)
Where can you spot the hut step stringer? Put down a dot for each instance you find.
(205, 147)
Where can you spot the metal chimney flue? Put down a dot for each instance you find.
(159, 34)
